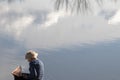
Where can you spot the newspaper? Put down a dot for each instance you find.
(17, 71)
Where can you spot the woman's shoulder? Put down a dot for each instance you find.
(37, 61)
(34, 62)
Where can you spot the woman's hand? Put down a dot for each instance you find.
(24, 75)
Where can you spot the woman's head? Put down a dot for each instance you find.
(31, 55)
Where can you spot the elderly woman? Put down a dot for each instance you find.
(36, 68)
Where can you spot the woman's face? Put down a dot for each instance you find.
(29, 60)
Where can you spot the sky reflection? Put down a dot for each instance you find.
(89, 62)
(73, 47)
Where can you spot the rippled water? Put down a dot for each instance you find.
(71, 47)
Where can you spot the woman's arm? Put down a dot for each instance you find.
(37, 69)
(32, 72)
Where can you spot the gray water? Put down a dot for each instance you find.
(99, 62)
(95, 61)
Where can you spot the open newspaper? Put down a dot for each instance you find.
(17, 71)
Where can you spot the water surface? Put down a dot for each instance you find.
(71, 48)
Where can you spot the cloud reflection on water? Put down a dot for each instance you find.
(93, 62)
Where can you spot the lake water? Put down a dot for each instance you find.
(88, 54)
